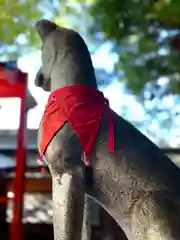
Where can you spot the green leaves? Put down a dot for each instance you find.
(147, 38)
(16, 33)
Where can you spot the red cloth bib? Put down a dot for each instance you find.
(82, 106)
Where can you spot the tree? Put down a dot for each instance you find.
(146, 36)
(16, 24)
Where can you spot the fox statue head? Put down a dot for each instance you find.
(65, 58)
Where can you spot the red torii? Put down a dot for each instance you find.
(13, 83)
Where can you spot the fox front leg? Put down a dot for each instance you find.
(68, 207)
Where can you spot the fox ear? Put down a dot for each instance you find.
(44, 28)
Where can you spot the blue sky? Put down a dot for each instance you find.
(32, 62)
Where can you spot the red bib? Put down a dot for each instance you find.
(82, 106)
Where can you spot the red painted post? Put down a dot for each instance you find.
(16, 229)
(17, 87)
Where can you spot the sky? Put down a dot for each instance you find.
(9, 113)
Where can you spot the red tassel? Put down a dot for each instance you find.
(40, 163)
(85, 158)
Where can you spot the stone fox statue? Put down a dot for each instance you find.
(132, 179)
